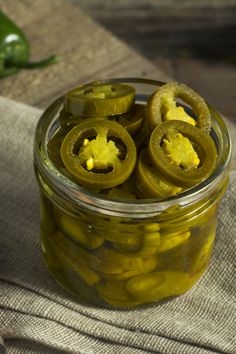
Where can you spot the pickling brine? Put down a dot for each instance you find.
(131, 174)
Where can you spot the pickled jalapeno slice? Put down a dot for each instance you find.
(162, 106)
(126, 190)
(156, 285)
(150, 182)
(116, 294)
(141, 137)
(68, 120)
(131, 120)
(100, 99)
(184, 154)
(73, 257)
(53, 148)
(77, 230)
(99, 153)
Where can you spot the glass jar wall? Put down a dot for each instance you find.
(125, 253)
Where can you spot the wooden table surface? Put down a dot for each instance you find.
(190, 40)
(88, 51)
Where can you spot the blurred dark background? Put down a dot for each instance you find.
(193, 41)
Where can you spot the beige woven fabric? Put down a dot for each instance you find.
(39, 317)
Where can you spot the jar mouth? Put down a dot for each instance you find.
(68, 189)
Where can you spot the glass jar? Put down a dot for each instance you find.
(125, 253)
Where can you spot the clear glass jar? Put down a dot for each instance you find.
(126, 253)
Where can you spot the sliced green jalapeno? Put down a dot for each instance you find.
(100, 99)
(150, 182)
(149, 265)
(161, 106)
(99, 153)
(155, 286)
(141, 137)
(126, 190)
(46, 215)
(71, 257)
(117, 259)
(184, 165)
(116, 294)
(148, 246)
(68, 120)
(131, 120)
(203, 256)
(151, 244)
(53, 147)
(172, 240)
(77, 230)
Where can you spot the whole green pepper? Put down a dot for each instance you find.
(14, 49)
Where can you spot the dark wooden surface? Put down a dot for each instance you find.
(88, 51)
(191, 41)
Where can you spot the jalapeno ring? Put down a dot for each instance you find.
(150, 183)
(171, 91)
(111, 169)
(131, 120)
(100, 99)
(202, 142)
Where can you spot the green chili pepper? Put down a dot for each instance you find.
(14, 50)
(99, 153)
(99, 99)
(184, 170)
(162, 106)
(150, 182)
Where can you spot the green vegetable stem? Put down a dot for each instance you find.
(14, 49)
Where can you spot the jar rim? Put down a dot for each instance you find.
(141, 207)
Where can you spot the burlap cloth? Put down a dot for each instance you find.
(37, 316)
